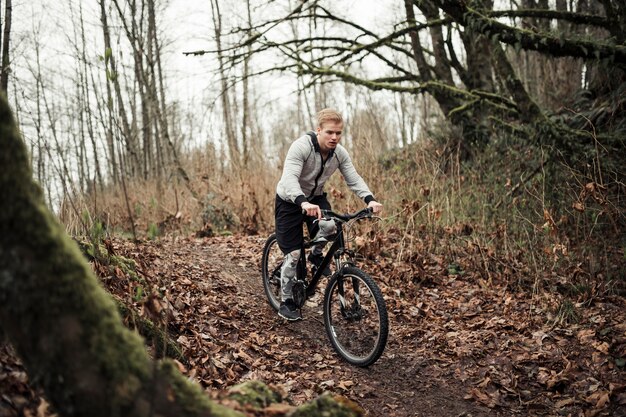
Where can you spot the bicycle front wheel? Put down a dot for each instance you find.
(355, 317)
(271, 263)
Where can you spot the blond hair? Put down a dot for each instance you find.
(328, 115)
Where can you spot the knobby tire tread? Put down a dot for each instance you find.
(265, 273)
(382, 312)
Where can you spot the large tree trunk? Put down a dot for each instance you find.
(64, 325)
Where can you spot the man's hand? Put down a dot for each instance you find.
(311, 209)
(375, 206)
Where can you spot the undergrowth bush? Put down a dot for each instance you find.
(511, 212)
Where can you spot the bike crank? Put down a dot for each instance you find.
(299, 293)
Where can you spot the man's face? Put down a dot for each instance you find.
(329, 135)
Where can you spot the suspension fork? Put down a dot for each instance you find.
(346, 309)
(337, 253)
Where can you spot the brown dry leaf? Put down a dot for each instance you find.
(247, 358)
(585, 336)
(42, 409)
(578, 206)
(510, 351)
(490, 400)
(180, 366)
(601, 346)
(328, 383)
(317, 358)
(539, 336)
(562, 403)
(484, 382)
(345, 385)
(599, 399)
(182, 340)
(544, 376)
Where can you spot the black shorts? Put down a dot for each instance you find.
(289, 220)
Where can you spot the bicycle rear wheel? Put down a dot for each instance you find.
(271, 263)
(355, 317)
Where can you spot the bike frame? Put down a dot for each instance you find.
(336, 250)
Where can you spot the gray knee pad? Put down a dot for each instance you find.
(327, 228)
(290, 264)
(288, 273)
(292, 258)
(326, 232)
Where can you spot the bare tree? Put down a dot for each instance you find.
(113, 78)
(6, 37)
(229, 129)
(474, 82)
(158, 92)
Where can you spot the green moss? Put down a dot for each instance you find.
(161, 341)
(99, 253)
(255, 394)
(327, 405)
(189, 395)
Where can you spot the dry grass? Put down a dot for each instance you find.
(503, 215)
(225, 199)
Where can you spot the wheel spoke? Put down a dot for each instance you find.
(356, 318)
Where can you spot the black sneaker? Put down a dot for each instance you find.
(289, 311)
(316, 260)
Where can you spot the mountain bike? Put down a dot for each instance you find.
(355, 315)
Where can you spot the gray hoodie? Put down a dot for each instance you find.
(305, 174)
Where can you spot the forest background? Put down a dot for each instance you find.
(493, 132)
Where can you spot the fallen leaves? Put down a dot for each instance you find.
(454, 332)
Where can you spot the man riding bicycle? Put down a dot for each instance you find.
(300, 196)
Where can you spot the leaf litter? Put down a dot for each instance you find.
(461, 343)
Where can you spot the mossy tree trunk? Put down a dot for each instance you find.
(60, 320)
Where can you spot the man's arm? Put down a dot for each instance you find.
(352, 177)
(290, 179)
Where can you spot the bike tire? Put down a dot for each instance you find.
(271, 262)
(358, 333)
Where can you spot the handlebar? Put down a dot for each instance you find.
(329, 214)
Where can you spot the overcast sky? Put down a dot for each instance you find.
(186, 26)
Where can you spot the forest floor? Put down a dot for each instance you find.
(459, 345)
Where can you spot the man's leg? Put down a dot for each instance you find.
(288, 308)
(288, 274)
(325, 232)
(289, 236)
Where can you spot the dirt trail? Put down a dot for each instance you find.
(298, 356)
